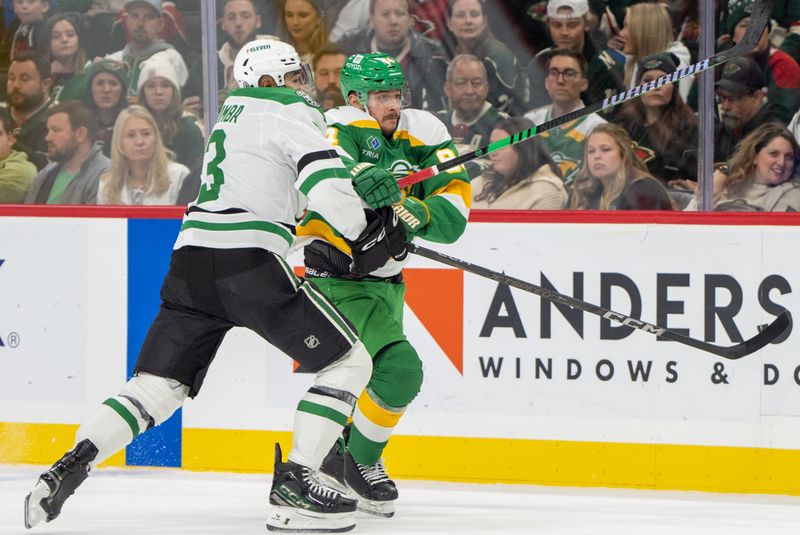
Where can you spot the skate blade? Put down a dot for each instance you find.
(376, 508)
(292, 520)
(34, 513)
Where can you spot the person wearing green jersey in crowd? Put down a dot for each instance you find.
(374, 132)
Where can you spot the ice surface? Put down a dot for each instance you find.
(164, 501)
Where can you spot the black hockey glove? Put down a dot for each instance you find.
(395, 233)
(370, 250)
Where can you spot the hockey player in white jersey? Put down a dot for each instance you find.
(266, 167)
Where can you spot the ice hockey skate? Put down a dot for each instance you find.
(300, 503)
(371, 486)
(59, 483)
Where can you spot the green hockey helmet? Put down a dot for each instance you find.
(363, 73)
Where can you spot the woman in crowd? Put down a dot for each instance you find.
(763, 174)
(67, 56)
(648, 30)
(522, 176)
(302, 24)
(105, 96)
(613, 177)
(662, 126)
(469, 33)
(140, 173)
(159, 91)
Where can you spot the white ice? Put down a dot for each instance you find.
(164, 501)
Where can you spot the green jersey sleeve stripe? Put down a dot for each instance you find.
(323, 174)
(263, 226)
(314, 216)
(322, 411)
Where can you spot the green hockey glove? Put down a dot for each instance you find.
(414, 215)
(375, 185)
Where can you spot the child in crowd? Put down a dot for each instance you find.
(25, 33)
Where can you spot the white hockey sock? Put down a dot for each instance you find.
(111, 427)
(318, 422)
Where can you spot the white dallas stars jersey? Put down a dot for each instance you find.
(266, 163)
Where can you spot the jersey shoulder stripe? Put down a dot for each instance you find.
(350, 116)
(421, 128)
(281, 95)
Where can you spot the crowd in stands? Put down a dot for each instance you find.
(101, 100)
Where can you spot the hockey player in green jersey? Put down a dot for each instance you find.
(375, 130)
(266, 166)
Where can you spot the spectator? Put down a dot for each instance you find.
(572, 26)
(25, 33)
(613, 177)
(469, 33)
(106, 87)
(566, 79)
(140, 173)
(77, 162)
(327, 66)
(740, 92)
(662, 126)
(763, 174)
(422, 59)
(781, 72)
(28, 87)
(160, 95)
(16, 172)
(302, 24)
(67, 56)
(648, 30)
(521, 177)
(144, 22)
(470, 118)
(240, 23)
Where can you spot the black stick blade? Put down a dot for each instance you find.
(773, 331)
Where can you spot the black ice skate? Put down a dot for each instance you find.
(375, 491)
(300, 503)
(57, 484)
(332, 468)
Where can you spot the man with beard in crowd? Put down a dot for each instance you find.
(28, 88)
(327, 65)
(77, 162)
(240, 22)
(144, 21)
(740, 93)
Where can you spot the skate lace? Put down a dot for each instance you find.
(317, 488)
(373, 473)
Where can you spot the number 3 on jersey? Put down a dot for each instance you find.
(214, 177)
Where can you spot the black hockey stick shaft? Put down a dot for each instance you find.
(770, 333)
(759, 17)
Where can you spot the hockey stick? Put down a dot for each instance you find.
(758, 21)
(770, 333)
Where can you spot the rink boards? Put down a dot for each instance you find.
(515, 390)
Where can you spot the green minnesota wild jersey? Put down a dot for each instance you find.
(420, 141)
